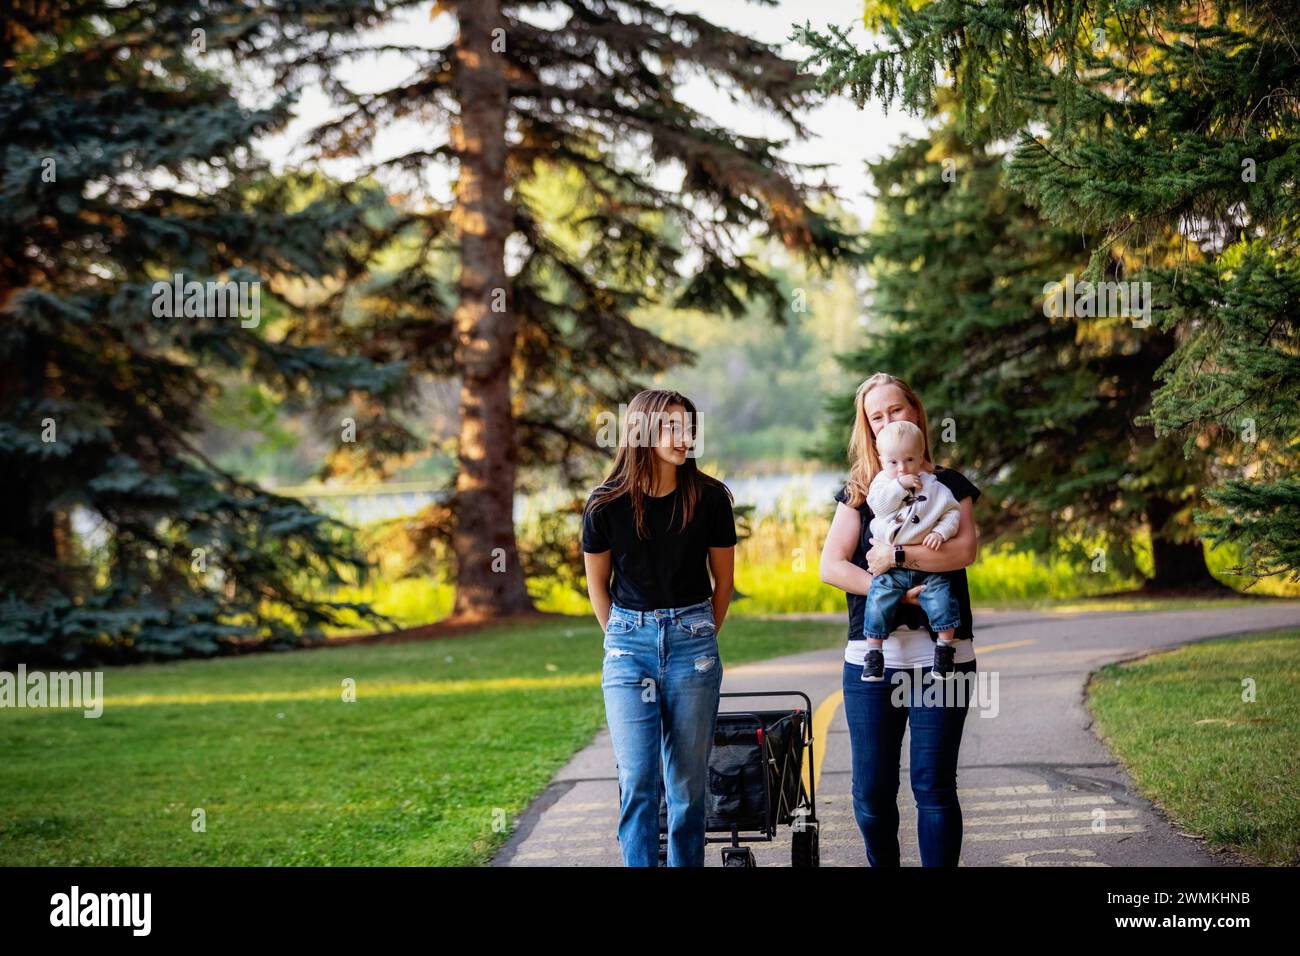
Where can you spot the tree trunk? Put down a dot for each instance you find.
(489, 579)
(1176, 565)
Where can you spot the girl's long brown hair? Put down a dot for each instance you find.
(864, 460)
(633, 471)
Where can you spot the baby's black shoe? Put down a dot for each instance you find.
(943, 660)
(873, 668)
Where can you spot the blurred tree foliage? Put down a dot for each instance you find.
(126, 162)
(1168, 134)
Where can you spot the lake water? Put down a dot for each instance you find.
(767, 493)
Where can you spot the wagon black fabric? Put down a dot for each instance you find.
(736, 775)
(737, 765)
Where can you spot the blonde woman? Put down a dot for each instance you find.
(850, 559)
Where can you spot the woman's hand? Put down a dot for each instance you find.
(597, 567)
(881, 557)
(722, 565)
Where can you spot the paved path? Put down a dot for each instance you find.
(1033, 777)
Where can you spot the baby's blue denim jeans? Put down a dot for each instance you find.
(661, 679)
(890, 587)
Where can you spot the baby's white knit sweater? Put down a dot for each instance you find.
(913, 514)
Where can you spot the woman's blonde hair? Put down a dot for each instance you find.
(864, 460)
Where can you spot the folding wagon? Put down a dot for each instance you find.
(756, 783)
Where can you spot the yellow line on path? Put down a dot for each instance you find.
(1004, 646)
(821, 723)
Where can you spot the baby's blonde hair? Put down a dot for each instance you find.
(898, 434)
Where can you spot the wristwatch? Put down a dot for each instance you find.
(899, 555)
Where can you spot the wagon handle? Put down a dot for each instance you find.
(772, 693)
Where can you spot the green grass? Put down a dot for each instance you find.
(446, 740)
(1220, 766)
(410, 602)
(777, 573)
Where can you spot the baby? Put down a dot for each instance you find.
(909, 504)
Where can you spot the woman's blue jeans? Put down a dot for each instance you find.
(876, 724)
(661, 679)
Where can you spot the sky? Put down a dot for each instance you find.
(843, 136)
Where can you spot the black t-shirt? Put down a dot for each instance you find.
(669, 567)
(911, 614)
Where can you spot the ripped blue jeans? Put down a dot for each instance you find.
(661, 679)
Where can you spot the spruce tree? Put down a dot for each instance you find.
(126, 163)
(1038, 411)
(1168, 132)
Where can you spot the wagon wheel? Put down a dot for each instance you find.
(803, 847)
(741, 856)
